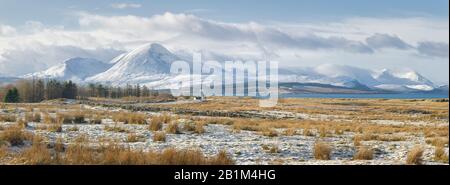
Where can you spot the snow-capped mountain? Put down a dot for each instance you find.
(145, 64)
(75, 69)
(150, 65)
(352, 77)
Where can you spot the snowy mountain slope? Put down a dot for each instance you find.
(150, 65)
(75, 69)
(147, 63)
(352, 77)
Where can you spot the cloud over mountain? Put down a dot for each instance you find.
(105, 36)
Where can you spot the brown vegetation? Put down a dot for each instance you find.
(363, 153)
(415, 155)
(322, 151)
(159, 136)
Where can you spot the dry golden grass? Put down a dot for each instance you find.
(82, 138)
(55, 127)
(377, 137)
(323, 132)
(271, 148)
(269, 132)
(363, 153)
(130, 118)
(37, 154)
(440, 155)
(71, 117)
(113, 154)
(199, 129)
(222, 158)
(246, 125)
(95, 119)
(7, 118)
(339, 131)
(115, 128)
(415, 155)
(59, 145)
(3, 150)
(308, 132)
(73, 129)
(172, 128)
(189, 126)
(22, 123)
(162, 118)
(353, 109)
(14, 135)
(48, 119)
(155, 125)
(322, 151)
(357, 140)
(132, 138)
(137, 118)
(219, 121)
(159, 137)
(33, 117)
(290, 132)
(437, 141)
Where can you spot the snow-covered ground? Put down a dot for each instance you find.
(246, 147)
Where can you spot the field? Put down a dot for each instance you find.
(225, 130)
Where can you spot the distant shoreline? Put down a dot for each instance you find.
(368, 96)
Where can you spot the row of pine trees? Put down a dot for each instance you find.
(37, 90)
(31, 91)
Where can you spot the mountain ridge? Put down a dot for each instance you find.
(150, 65)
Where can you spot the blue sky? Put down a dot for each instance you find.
(372, 34)
(55, 11)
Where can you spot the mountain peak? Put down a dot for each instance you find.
(142, 63)
(150, 49)
(75, 69)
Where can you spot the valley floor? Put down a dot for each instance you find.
(391, 130)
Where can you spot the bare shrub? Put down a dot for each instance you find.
(307, 132)
(269, 132)
(14, 135)
(322, 151)
(132, 138)
(172, 128)
(415, 156)
(440, 155)
(130, 118)
(363, 153)
(159, 137)
(155, 125)
(37, 154)
(189, 126)
(22, 124)
(33, 117)
(290, 132)
(199, 129)
(222, 158)
(7, 118)
(437, 141)
(115, 128)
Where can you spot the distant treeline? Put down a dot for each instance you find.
(37, 90)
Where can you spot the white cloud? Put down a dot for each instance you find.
(354, 41)
(125, 5)
(6, 30)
